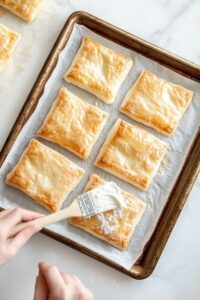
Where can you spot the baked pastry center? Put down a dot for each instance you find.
(98, 69)
(132, 154)
(73, 124)
(25, 9)
(117, 226)
(45, 175)
(8, 41)
(156, 103)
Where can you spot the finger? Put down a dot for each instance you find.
(86, 293)
(4, 212)
(67, 278)
(16, 216)
(78, 281)
(41, 288)
(22, 237)
(52, 276)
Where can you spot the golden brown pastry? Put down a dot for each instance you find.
(132, 154)
(98, 70)
(156, 103)
(1, 13)
(45, 175)
(117, 226)
(8, 41)
(73, 124)
(25, 9)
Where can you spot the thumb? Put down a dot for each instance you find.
(22, 238)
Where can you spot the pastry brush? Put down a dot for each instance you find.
(103, 198)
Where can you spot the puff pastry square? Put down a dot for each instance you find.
(132, 154)
(25, 9)
(156, 103)
(8, 41)
(73, 124)
(98, 70)
(117, 226)
(45, 175)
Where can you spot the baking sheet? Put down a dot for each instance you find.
(160, 188)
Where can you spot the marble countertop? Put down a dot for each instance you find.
(173, 25)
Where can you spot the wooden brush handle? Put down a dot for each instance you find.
(71, 211)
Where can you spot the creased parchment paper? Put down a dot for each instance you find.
(161, 186)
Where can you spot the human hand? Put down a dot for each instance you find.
(51, 284)
(8, 219)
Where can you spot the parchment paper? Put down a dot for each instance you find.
(161, 185)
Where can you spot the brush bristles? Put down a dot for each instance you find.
(101, 199)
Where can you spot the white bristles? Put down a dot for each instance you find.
(103, 198)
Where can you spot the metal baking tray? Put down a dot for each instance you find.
(177, 198)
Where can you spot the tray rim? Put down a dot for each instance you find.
(153, 250)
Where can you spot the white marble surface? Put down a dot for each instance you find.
(173, 25)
